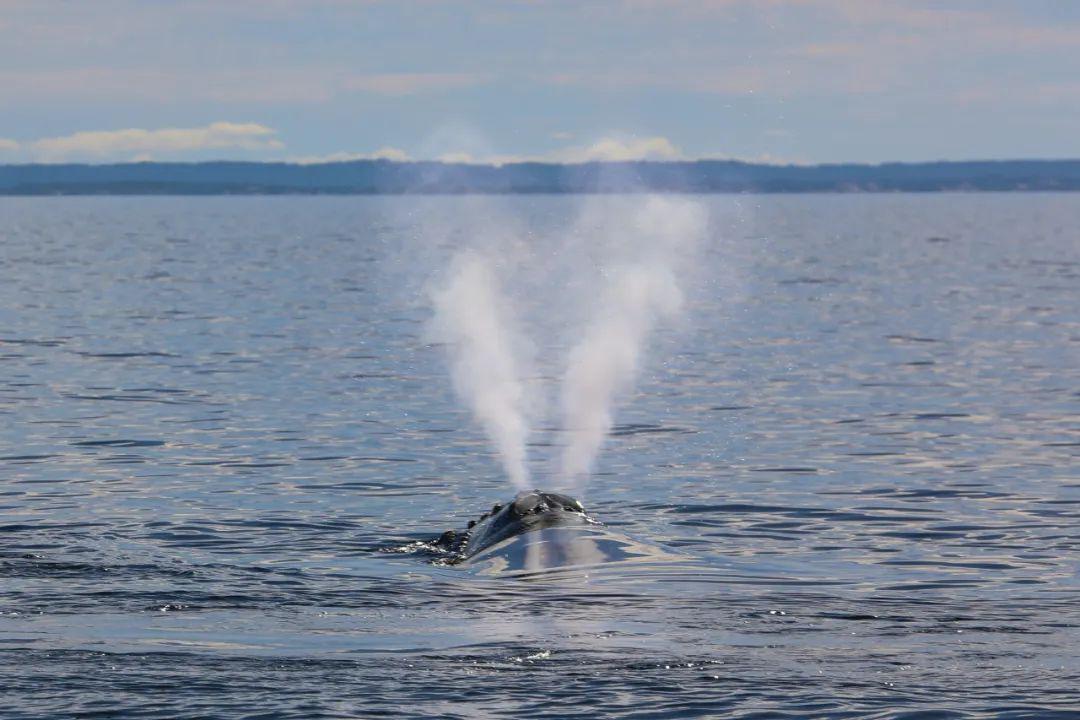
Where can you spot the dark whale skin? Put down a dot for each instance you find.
(529, 511)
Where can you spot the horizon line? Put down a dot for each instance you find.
(544, 163)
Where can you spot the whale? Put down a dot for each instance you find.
(545, 534)
(529, 512)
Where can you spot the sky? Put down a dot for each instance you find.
(779, 81)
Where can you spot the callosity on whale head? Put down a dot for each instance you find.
(535, 510)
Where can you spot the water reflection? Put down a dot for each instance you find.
(565, 549)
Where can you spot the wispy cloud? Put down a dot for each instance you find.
(313, 84)
(815, 49)
(470, 159)
(619, 149)
(146, 144)
(608, 149)
(383, 153)
(141, 144)
(1041, 94)
(409, 83)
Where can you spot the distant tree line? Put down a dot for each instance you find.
(386, 177)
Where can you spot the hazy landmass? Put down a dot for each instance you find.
(386, 177)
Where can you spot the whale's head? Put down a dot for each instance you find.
(529, 511)
(540, 504)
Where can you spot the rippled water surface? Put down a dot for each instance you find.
(220, 416)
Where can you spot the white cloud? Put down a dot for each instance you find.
(621, 149)
(762, 159)
(145, 144)
(383, 153)
(140, 145)
(468, 158)
(608, 149)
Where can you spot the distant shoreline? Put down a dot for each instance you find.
(383, 177)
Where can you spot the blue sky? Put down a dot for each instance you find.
(768, 80)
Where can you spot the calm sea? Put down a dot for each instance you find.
(219, 416)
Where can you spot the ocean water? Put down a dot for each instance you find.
(222, 425)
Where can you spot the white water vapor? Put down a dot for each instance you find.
(473, 318)
(643, 256)
(592, 291)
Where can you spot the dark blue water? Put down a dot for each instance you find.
(218, 416)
